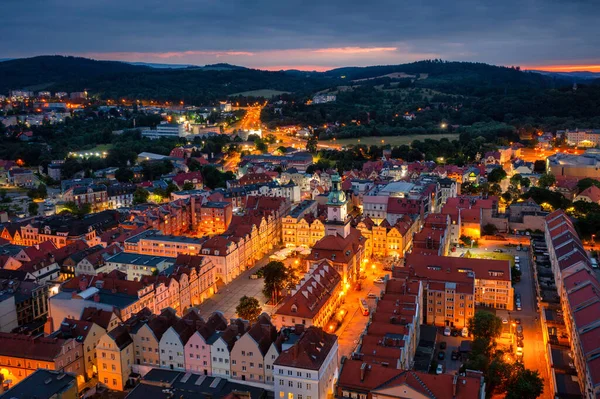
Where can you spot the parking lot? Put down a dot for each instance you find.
(452, 344)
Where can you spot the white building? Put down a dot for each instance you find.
(583, 138)
(136, 266)
(307, 370)
(166, 130)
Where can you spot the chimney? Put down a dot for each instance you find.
(48, 326)
(363, 371)
(96, 297)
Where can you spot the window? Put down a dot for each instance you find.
(114, 382)
(281, 394)
(281, 382)
(290, 395)
(308, 387)
(300, 385)
(290, 384)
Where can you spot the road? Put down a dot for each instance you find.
(354, 324)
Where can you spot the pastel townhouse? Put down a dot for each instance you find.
(197, 349)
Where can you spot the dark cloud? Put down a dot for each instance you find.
(525, 32)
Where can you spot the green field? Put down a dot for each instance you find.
(395, 140)
(100, 148)
(266, 93)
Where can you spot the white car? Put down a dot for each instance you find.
(372, 295)
(517, 259)
(465, 332)
(439, 369)
(519, 352)
(447, 331)
(379, 280)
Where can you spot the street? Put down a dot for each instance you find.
(534, 353)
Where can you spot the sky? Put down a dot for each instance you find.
(558, 35)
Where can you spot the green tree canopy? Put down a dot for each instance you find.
(140, 196)
(124, 175)
(524, 384)
(248, 308)
(276, 276)
(496, 175)
(485, 325)
(546, 180)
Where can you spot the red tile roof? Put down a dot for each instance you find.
(310, 351)
(592, 192)
(312, 293)
(28, 347)
(447, 268)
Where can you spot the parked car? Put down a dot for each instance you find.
(372, 295)
(454, 355)
(519, 329)
(465, 332)
(498, 251)
(447, 331)
(455, 333)
(504, 320)
(517, 259)
(520, 343)
(519, 352)
(439, 369)
(518, 304)
(518, 321)
(443, 345)
(379, 280)
(441, 355)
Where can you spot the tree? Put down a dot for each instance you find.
(276, 276)
(40, 192)
(124, 175)
(496, 175)
(485, 325)
(539, 166)
(248, 308)
(33, 208)
(188, 186)
(489, 229)
(546, 180)
(261, 146)
(311, 144)
(140, 196)
(524, 384)
(587, 183)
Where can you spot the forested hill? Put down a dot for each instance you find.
(54, 70)
(111, 79)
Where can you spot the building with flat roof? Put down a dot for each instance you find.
(44, 384)
(184, 385)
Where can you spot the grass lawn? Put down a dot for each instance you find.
(395, 140)
(266, 93)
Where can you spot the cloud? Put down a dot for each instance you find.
(326, 32)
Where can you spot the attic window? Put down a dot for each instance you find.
(294, 308)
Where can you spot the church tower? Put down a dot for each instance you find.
(338, 221)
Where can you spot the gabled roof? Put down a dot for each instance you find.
(310, 351)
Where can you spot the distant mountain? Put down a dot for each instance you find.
(6, 59)
(580, 75)
(163, 66)
(222, 67)
(197, 84)
(45, 71)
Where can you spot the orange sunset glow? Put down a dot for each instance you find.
(564, 68)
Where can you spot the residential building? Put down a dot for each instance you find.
(364, 380)
(215, 217)
(115, 358)
(314, 300)
(166, 130)
(95, 260)
(386, 239)
(249, 352)
(87, 334)
(95, 195)
(583, 138)
(136, 266)
(22, 355)
(590, 194)
(579, 292)
(309, 368)
(457, 285)
(152, 242)
(221, 345)
(197, 350)
(346, 254)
